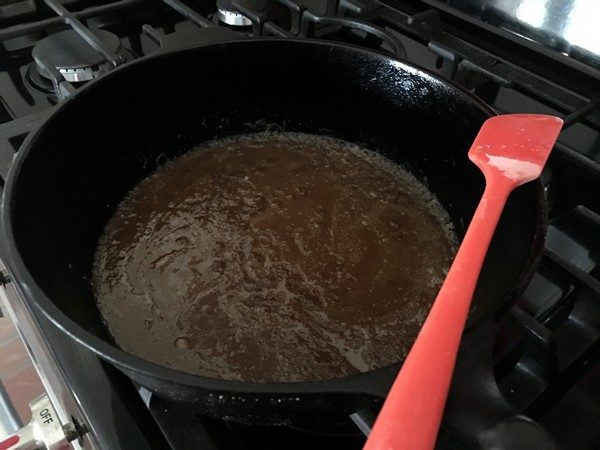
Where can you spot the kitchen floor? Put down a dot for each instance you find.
(17, 373)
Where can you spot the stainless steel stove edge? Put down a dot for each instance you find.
(68, 409)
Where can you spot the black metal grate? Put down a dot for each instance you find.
(74, 20)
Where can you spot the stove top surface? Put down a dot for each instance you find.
(525, 381)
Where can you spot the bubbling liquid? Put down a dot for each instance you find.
(273, 257)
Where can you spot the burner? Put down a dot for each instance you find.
(37, 81)
(74, 58)
(229, 16)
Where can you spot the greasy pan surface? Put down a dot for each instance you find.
(71, 174)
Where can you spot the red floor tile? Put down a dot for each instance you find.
(7, 329)
(13, 357)
(22, 387)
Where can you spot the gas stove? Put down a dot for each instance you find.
(527, 379)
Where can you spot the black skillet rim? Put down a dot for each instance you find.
(132, 363)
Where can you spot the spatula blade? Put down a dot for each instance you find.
(515, 145)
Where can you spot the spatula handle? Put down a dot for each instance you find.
(411, 415)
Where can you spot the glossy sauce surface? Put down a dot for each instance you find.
(273, 257)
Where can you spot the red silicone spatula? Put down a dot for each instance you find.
(510, 150)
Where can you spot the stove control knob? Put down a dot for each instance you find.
(43, 432)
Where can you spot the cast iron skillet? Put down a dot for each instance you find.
(69, 176)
